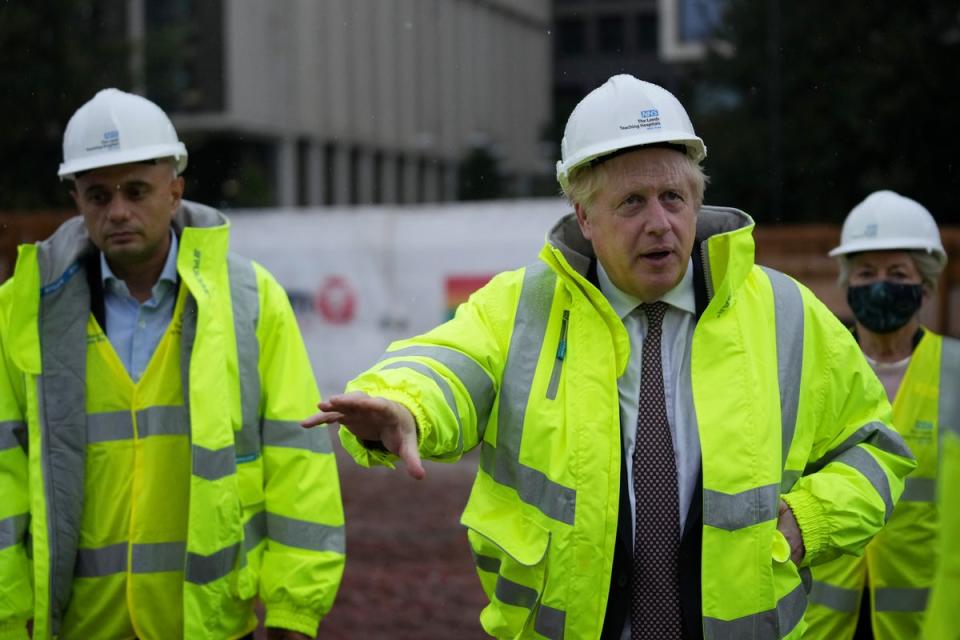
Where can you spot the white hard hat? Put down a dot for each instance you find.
(116, 127)
(624, 112)
(886, 220)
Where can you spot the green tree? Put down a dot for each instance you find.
(823, 102)
(56, 55)
(480, 177)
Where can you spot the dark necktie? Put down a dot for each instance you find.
(655, 591)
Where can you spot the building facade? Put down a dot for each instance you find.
(299, 102)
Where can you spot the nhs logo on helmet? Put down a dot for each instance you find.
(110, 139)
(649, 113)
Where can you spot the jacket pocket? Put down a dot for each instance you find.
(791, 586)
(510, 552)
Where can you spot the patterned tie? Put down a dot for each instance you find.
(655, 591)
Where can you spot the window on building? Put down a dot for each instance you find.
(647, 33)
(303, 172)
(571, 36)
(610, 34)
(378, 177)
(400, 177)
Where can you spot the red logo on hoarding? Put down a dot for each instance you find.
(336, 300)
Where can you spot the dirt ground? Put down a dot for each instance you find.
(409, 574)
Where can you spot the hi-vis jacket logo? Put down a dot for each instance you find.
(109, 140)
(649, 119)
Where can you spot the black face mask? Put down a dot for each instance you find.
(884, 307)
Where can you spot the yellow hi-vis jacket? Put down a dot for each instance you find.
(941, 621)
(900, 561)
(181, 498)
(527, 369)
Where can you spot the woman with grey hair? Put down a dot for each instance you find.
(891, 257)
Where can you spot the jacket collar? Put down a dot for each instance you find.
(724, 238)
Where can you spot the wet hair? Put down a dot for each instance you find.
(586, 181)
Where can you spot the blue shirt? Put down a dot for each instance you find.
(136, 329)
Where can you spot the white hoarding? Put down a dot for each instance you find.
(362, 277)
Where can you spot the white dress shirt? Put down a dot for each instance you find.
(675, 340)
(677, 335)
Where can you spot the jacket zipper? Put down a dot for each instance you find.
(561, 356)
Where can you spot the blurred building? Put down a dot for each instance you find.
(650, 39)
(299, 102)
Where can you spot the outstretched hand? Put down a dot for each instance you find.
(376, 419)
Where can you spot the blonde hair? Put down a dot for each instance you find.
(927, 264)
(587, 180)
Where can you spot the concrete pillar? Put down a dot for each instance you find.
(364, 177)
(388, 179)
(286, 172)
(341, 175)
(431, 181)
(450, 175)
(410, 186)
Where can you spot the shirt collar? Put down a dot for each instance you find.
(169, 272)
(681, 296)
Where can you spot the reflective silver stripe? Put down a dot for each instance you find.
(502, 462)
(152, 557)
(13, 433)
(788, 479)
(948, 410)
(876, 434)
(837, 598)
(919, 490)
(162, 421)
(109, 426)
(866, 464)
(788, 313)
(474, 378)
(245, 304)
(213, 465)
(901, 599)
(158, 557)
(305, 535)
(61, 396)
(12, 530)
(103, 561)
(785, 617)
(203, 569)
(533, 487)
(515, 594)
(486, 563)
(286, 433)
(550, 622)
(255, 530)
(423, 369)
(738, 510)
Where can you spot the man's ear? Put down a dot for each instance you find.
(583, 220)
(176, 192)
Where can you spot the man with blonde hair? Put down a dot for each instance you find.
(669, 434)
